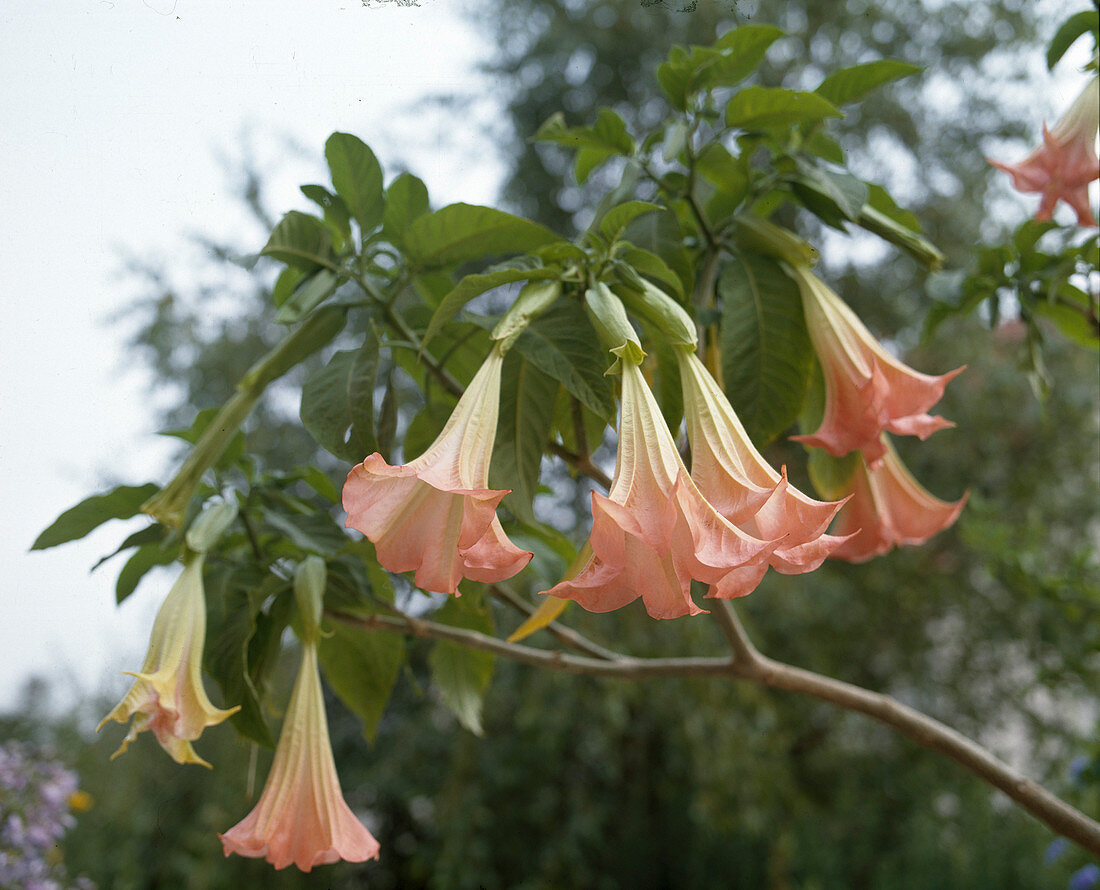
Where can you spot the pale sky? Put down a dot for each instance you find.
(115, 117)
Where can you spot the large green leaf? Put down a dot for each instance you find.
(615, 221)
(459, 233)
(741, 52)
(357, 178)
(338, 402)
(527, 397)
(766, 352)
(460, 674)
(563, 345)
(474, 285)
(362, 666)
(755, 108)
(1071, 29)
(406, 200)
(146, 557)
(300, 240)
(336, 211)
(121, 502)
(594, 145)
(834, 196)
(235, 595)
(853, 84)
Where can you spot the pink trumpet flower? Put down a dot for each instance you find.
(889, 508)
(1064, 165)
(742, 486)
(167, 696)
(654, 531)
(301, 816)
(437, 515)
(867, 390)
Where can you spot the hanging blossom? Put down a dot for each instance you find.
(867, 390)
(742, 486)
(889, 508)
(437, 515)
(1064, 165)
(654, 531)
(301, 816)
(168, 696)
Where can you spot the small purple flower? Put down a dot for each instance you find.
(1085, 878)
(1057, 847)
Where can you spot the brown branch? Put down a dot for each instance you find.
(622, 666)
(565, 634)
(924, 730)
(749, 664)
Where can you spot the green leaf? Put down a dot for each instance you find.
(362, 667)
(881, 200)
(741, 52)
(563, 345)
(151, 534)
(616, 219)
(406, 200)
(674, 75)
(286, 283)
(459, 233)
(832, 476)
(310, 294)
(300, 240)
(475, 285)
(121, 502)
(834, 196)
(608, 134)
(338, 402)
(853, 84)
(756, 108)
(357, 178)
(460, 674)
(234, 597)
(766, 351)
(145, 558)
(652, 266)
(728, 174)
(527, 397)
(336, 211)
(310, 532)
(1072, 28)
(425, 427)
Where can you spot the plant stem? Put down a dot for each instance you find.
(748, 664)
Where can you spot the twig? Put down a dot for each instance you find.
(565, 634)
(749, 664)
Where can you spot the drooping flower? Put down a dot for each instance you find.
(740, 483)
(889, 508)
(301, 816)
(867, 390)
(654, 531)
(167, 696)
(1064, 165)
(436, 515)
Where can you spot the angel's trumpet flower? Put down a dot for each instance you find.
(1064, 165)
(301, 816)
(654, 531)
(436, 515)
(867, 390)
(742, 486)
(167, 696)
(889, 508)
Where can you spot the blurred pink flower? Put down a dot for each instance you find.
(1064, 165)
(888, 508)
(742, 486)
(301, 816)
(867, 390)
(168, 696)
(436, 515)
(654, 532)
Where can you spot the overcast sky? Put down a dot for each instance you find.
(117, 117)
